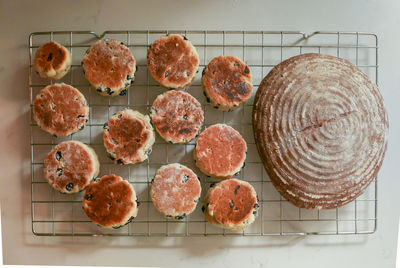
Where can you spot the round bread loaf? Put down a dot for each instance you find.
(220, 151)
(71, 166)
(177, 116)
(175, 191)
(320, 127)
(110, 202)
(231, 204)
(52, 61)
(60, 109)
(173, 61)
(110, 67)
(226, 82)
(128, 137)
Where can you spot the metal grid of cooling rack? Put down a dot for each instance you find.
(55, 214)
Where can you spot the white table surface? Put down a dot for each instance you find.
(19, 18)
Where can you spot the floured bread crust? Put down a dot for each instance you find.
(321, 129)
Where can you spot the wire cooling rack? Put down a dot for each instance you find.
(55, 214)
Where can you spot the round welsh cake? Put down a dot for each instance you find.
(226, 82)
(231, 204)
(110, 67)
(173, 61)
(110, 202)
(220, 151)
(128, 137)
(177, 116)
(60, 109)
(52, 61)
(71, 166)
(175, 191)
(320, 127)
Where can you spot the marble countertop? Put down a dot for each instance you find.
(20, 246)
